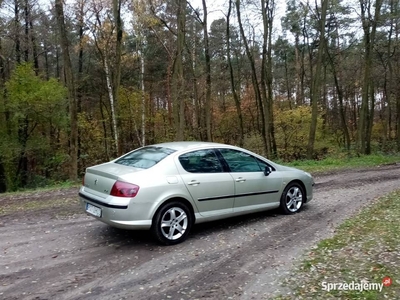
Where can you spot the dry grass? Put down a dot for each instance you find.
(365, 249)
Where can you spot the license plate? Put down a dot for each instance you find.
(93, 210)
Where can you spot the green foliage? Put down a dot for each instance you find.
(35, 129)
(343, 161)
(228, 130)
(93, 147)
(34, 98)
(254, 142)
(292, 131)
(130, 117)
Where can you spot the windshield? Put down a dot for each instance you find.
(145, 158)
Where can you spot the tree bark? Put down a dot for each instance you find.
(366, 111)
(236, 97)
(208, 109)
(263, 80)
(3, 180)
(17, 33)
(69, 79)
(3, 80)
(112, 102)
(178, 95)
(81, 24)
(142, 70)
(254, 79)
(35, 54)
(26, 26)
(316, 86)
(339, 91)
(117, 67)
(270, 9)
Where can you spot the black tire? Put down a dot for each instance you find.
(172, 223)
(292, 198)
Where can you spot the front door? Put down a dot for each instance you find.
(253, 189)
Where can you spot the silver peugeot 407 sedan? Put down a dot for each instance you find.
(171, 186)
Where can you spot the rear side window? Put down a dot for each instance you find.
(145, 158)
(201, 161)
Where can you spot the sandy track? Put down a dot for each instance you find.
(60, 253)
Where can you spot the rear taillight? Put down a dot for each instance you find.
(124, 189)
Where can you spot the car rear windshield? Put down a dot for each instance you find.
(145, 158)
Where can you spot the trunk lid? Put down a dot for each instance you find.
(100, 179)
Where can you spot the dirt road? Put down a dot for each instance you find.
(58, 252)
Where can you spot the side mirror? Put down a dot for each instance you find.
(267, 170)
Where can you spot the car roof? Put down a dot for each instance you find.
(184, 145)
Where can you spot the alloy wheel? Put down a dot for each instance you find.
(174, 223)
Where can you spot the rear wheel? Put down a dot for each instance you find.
(172, 223)
(292, 198)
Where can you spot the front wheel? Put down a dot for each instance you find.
(292, 198)
(172, 223)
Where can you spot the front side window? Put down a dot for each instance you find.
(145, 158)
(201, 161)
(239, 161)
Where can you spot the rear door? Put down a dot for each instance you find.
(211, 188)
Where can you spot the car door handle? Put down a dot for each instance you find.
(193, 182)
(240, 179)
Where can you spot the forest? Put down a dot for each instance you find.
(84, 81)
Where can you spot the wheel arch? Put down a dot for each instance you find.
(176, 199)
(298, 181)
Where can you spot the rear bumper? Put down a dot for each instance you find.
(92, 201)
(119, 216)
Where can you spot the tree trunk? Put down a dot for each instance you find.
(177, 76)
(21, 175)
(299, 85)
(269, 78)
(112, 102)
(69, 79)
(34, 47)
(254, 79)
(26, 26)
(169, 92)
(316, 86)
(339, 91)
(17, 32)
(208, 110)
(117, 67)
(367, 108)
(263, 81)
(104, 125)
(236, 97)
(79, 95)
(142, 68)
(370, 119)
(195, 95)
(397, 124)
(3, 180)
(3, 80)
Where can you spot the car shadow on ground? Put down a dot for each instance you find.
(106, 235)
(215, 227)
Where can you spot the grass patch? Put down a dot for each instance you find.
(365, 249)
(344, 162)
(51, 187)
(33, 205)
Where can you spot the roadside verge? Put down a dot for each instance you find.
(361, 261)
